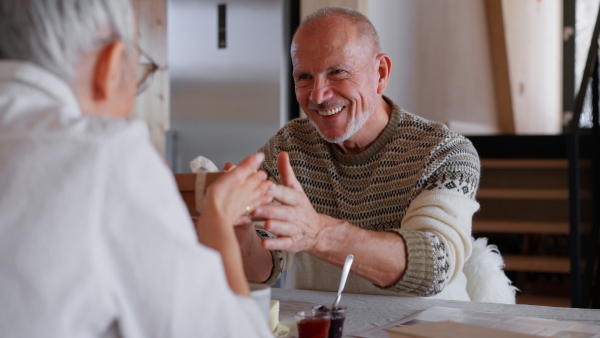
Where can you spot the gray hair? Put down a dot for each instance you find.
(53, 34)
(365, 28)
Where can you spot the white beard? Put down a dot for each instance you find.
(354, 126)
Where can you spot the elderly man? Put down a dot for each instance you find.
(95, 240)
(361, 176)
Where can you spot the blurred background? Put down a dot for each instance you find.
(514, 76)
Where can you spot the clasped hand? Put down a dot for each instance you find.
(295, 221)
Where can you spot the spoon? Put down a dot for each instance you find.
(345, 271)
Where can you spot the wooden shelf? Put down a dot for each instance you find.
(555, 264)
(187, 186)
(531, 164)
(186, 182)
(544, 300)
(529, 194)
(525, 203)
(522, 227)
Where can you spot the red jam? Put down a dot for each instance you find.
(313, 328)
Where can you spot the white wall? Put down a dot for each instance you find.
(533, 31)
(442, 65)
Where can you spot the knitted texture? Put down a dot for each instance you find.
(374, 189)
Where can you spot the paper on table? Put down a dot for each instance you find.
(529, 325)
(451, 329)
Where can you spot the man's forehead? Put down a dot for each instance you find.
(322, 58)
(326, 31)
(323, 53)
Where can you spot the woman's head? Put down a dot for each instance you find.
(53, 34)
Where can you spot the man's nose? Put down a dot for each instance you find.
(321, 91)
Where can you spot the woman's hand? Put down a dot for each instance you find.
(235, 193)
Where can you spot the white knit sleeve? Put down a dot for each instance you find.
(448, 215)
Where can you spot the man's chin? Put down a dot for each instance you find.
(332, 137)
(335, 138)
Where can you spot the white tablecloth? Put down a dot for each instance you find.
(366, 311)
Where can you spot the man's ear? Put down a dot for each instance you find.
(108, 70)
(384, 69)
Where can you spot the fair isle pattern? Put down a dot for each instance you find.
(440, 261)
(373, 189)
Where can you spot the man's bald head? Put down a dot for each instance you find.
(366, 33)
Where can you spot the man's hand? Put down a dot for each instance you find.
(295, 221)
(379, 256)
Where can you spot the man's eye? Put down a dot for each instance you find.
(336, 71)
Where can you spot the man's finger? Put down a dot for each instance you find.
(279, 228)
(283, 195)
(279, 243)
(273, 211)
(288, 178)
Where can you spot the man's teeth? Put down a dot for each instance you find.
(330, 111)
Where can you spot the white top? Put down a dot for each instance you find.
(95, 240)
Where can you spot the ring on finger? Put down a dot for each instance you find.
(248, 210)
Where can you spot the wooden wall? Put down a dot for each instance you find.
(152, 106)
(534, 42)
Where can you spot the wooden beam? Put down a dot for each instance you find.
(500, 66)
(152, 105)
(537, 263)
(530, 194)
(526, 227)
(531, 164)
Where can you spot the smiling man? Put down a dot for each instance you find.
(361, 176)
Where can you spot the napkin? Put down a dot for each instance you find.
(201, 166)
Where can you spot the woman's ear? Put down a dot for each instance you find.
(108, 71)
(384, 69)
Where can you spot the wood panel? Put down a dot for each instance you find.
(540, 194)
(521, 227)
(526, 227)
(152, 106)
(186, 183)
(544, 300)
(500, 66)
(556, 264)
(534, 44)
(525, 211)
(531, 164)
(187, 188)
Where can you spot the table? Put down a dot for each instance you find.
(367, 311)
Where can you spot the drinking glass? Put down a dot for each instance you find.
(338, 315)
(313, 325)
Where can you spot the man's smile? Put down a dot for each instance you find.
(330, 111)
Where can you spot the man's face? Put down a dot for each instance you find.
(335, 78)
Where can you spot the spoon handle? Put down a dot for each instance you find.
(345, 270)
